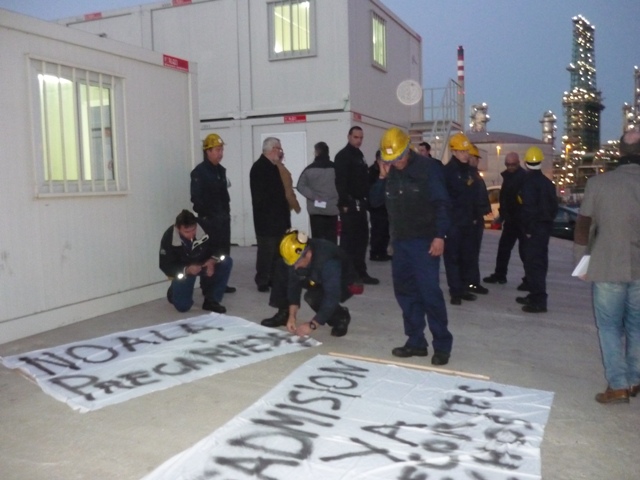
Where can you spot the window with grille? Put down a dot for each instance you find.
(77, 129)
(291, 29)
(379, 41)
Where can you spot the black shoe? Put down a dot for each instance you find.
(478, 289)
(368, 280)
(469, 297)
(341, 324)
(263, 288)
(229, 289)
(523, 300)
(213, 306)
(532, 308)
(170, 295)
(455, 300)
(524, 287)
(406, 352)
(440, 358)
(278, 320)
(493, 278)
(380, 258)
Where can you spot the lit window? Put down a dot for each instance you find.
(379, 42)
(77, 128)
(291, 29)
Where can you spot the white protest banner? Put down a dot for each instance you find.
(337, 418)
(92, 374)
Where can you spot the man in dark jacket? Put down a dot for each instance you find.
(471, 271)
(187, 252)
(510, 216)
(271, 215)
(325, 271)
(210, 197)
(352, 182)
(379, 221)
(462, 193)
(539, 208)
(413, 189)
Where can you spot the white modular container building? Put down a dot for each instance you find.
(302, 70)
(97, 137)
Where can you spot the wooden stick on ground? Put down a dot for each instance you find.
(411, 365)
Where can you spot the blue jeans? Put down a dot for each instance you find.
(212, 287)
(617, 311)
(416, 284)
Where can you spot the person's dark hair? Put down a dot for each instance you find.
(321, 148)
(425, 145)
(630, 143)
(377, 154)
(185, 219)
(354, 128)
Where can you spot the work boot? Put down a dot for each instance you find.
(341, 323)
(369, 280)
(278, 320)
(620, 395)
(478, 289)
(493, 278)
(212, 306)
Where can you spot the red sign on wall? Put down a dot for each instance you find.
(93, 16)
(357, 116)
(295, 118)
(175, 3)
(175, 62)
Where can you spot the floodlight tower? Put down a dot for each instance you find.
(583, 104)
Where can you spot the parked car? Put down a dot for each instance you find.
(565, 222)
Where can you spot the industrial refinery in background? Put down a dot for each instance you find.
(581, 153)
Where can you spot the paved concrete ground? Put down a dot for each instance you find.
(558, 351)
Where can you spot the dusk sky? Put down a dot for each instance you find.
(516, 51)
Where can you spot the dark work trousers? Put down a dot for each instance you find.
(512, 231)
(314, 296)
(457, 252)
(324, 226)
(279, 285)
(536, 263)
(379, 219)
(471, 273)
(218, 227)
(212, 287)
(354, 238)
(416, 284)
(266, 259)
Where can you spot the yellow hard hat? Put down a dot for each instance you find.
(293, 245)
(473, 150)
(459, 141)
(393, 144)
(534, 156)
(213, 140)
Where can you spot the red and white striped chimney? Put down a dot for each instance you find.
(461, 86)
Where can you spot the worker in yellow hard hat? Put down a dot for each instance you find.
(463, 193)
(539, 208)
(471, 272)
(211, 200)
(325, 271)
(412, 188)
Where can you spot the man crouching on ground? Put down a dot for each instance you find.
(325, 271)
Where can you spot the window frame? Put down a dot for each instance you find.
(111, 176)
(375, 51)
(291, 53)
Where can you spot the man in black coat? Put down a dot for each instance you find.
(210, 197)
(352, 182)
(510, 217)
(271, 214)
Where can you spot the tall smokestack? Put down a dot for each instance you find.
(461, 86)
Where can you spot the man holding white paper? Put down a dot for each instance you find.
(608, 228)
